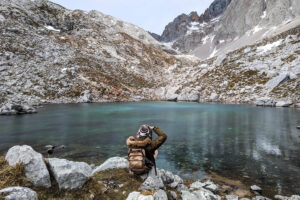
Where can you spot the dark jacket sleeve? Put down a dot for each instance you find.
(162, 137)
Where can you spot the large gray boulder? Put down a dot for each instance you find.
(35, 168)
(201, 194)
(112, 163)
(152, 183)
(19, 193)
(69, 174)
(139, 196)
(284, 103)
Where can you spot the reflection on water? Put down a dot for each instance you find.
(256, 145)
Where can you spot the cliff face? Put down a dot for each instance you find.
(229, 25)
(51, 54)
(183, 23)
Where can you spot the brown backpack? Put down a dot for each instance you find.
(137, 161)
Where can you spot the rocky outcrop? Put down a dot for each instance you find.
(35, 168)
(19, 193)
(112, 163)
(181, 24)
(12, 108)
(69, 174)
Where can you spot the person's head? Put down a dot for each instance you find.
(144, 131)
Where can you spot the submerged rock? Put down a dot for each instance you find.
(112, 163)
(19, 193)
(35, 168)
(69, 174)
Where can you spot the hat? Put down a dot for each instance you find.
(144, 131)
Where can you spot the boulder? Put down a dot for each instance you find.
(19, 193)
(284, 103)
(260, 198)
(138, 196)
(274, 82)
(265, 101)
(160, 195)
(208, 184)
(232, 197)
(213, 97)
(68, 174)
(112, 163)
(204, 194)
(255, 188)
(86, 97)
(293, 197)
(297, 105)
(187, 195)
(188, 94)
(152, 183)
(12, 109)
(35, 168)
(174, 195)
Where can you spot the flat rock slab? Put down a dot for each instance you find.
(69, 174)
(139, 196)
(112, 163)
(19, 193)
(152, 183)
(35, 168)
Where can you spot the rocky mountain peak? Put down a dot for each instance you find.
(182, 23)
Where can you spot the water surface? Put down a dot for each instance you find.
(255, 145)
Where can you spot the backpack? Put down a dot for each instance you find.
(138, 161)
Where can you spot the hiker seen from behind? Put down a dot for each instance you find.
(143, 151)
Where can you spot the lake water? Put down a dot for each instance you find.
(252, 144)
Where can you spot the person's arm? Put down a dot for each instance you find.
(162, 137)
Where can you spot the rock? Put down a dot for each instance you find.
(174, 195)
(138, 196)
(177, 181)
(112, 163)
(19, 193)
(12, 108)
(68, 174)
(181, 187)
(86, 97)
(297, 105)
(274, 82)
(265, 101)
(297, 127)
(204, 194)
(284, 103)
(232, 197)
(260, 198)
(188, 94)
(213, 97)
(255, 189)
(160, 195)
(293, 197)
(35, 168)
(209, 185)
(152, 183)
(197, 185)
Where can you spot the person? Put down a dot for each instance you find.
(143, 150)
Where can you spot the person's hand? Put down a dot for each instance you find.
(151, 127)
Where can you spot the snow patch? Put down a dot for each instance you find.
(213, 53)
(51, 28)
(268, 47)
(205, 39)
(264, 15)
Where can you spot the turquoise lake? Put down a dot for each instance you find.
(253, 144)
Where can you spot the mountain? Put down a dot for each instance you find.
(236, 24)
(50, 54)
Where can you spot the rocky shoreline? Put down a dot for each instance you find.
(26, 174)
